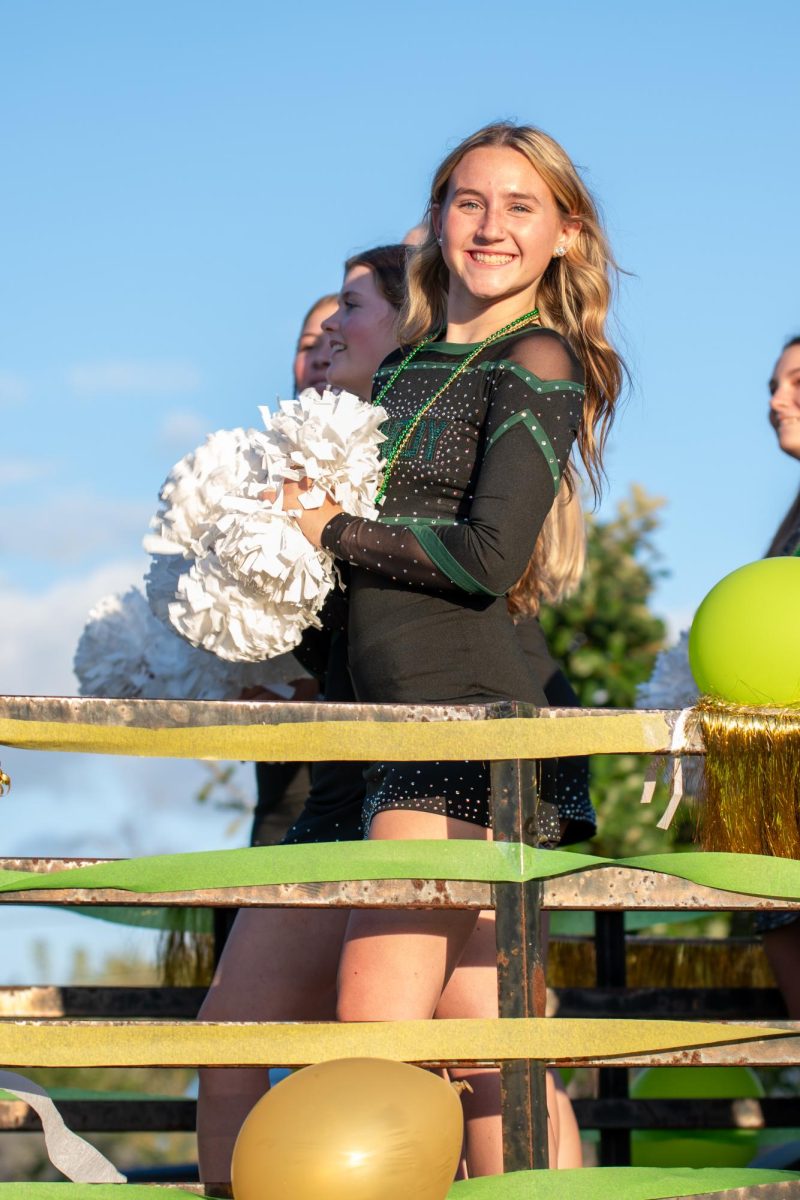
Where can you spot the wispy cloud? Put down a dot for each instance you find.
(14, 389)
(25, 470)
(183, 429)
(121, 377)
(39, 630)
(81, 525)
(148, 806)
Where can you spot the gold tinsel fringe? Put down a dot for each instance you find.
(651, 963)
(751, 792)
(185, 958)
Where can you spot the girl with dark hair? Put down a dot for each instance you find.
(280, 964)
(782, 930)
(784, 416)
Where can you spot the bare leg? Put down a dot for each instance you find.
(279, 964)
(472, 992)
(782, 947)
(570, 1152)
(395, 965)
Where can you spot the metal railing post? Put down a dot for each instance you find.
(609, 940)
(520, 962)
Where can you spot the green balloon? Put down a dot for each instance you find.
(744, 644)
(685, 1148)
(697, 1083)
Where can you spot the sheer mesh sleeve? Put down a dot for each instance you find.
(533, 413)
(546, 355)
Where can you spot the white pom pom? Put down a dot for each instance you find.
(125, 652)
(236, 623)
(671, 684)
(264, 549)
(231, 461)
(161, 582)
(333, 440)
(242, 581)
(110, 659)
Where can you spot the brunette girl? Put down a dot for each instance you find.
(782, 930)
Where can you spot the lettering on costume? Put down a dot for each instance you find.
(424, 441)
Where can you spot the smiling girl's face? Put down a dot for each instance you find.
(784, 405)
(313, 354)
(499, 227)
(361, 333)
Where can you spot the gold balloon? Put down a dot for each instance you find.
(351, 1129)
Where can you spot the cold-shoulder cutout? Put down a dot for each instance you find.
(546, 354)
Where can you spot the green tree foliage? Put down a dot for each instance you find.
(607, 638)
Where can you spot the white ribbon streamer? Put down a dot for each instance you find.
(654, 770)
(676, 783)
(69, 1154)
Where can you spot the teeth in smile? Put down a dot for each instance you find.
(494, 259)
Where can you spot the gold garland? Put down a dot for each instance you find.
(706, 963)
(751, 791)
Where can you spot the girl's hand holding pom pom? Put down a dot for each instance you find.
(241, 522)
(312, 521)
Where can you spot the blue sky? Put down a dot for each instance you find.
(181, 179)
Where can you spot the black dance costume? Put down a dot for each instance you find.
(466, 499)
(333, 808)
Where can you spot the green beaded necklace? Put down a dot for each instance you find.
(404, 435)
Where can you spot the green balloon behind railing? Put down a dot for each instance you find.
(687, 1148)
(744, 644)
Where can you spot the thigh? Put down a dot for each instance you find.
(471, 990)
(395, 964)
(279, 964)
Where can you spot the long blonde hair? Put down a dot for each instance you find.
(556, 565)
(573, 296)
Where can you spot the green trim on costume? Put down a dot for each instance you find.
(533, 381)
(443, 559)
(424, 366)
(526, 418)
(419, 521)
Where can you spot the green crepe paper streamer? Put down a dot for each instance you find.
(614, 1183)
(65, 1093)
(500, 862)
(179, 920)
(585, 1183)
(91, 1191)
(578, 923)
